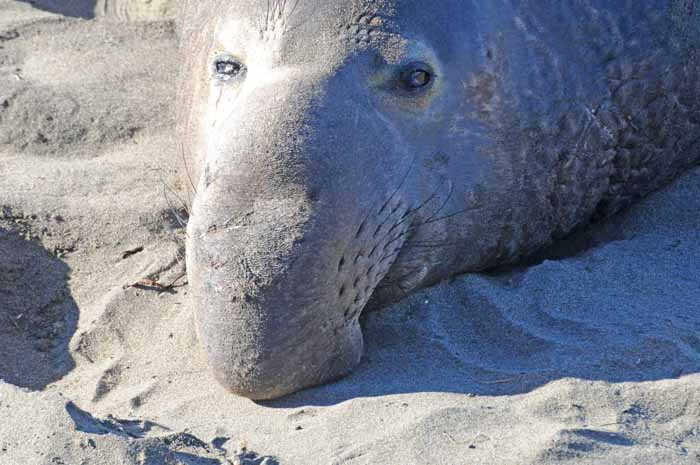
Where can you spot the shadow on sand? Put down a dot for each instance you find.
(462, 344)
(37, 313)
(72, 8)
(158, 444)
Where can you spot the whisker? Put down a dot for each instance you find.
(294, 8)
(187, 171)
(172, 191)
(444, 204)
(391, 197)
(431, 245)
(409, 213)
(296, 26)
(174, 211)
(403, 180)
(267, 16)
(446, 217)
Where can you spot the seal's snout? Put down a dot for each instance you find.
(267, 309)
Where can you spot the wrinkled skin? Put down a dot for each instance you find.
(323, 183)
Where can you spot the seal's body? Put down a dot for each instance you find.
(345, 150)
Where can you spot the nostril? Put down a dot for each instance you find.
(354, 284)
(341, 263)
(342, 291)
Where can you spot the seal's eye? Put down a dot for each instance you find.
(417, 76)
(226, 67)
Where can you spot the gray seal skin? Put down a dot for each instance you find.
(342, 152)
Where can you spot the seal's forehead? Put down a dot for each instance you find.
(299, 30)
(295, 13)
(297, 26)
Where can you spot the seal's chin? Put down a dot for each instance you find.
(259, 367)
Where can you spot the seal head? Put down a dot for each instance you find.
(346, 152)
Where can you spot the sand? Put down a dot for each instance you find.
(588, 355)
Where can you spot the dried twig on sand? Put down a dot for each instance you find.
(152, 284)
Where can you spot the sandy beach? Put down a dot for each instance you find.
(589, 354)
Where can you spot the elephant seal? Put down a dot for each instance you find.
(348, 151)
